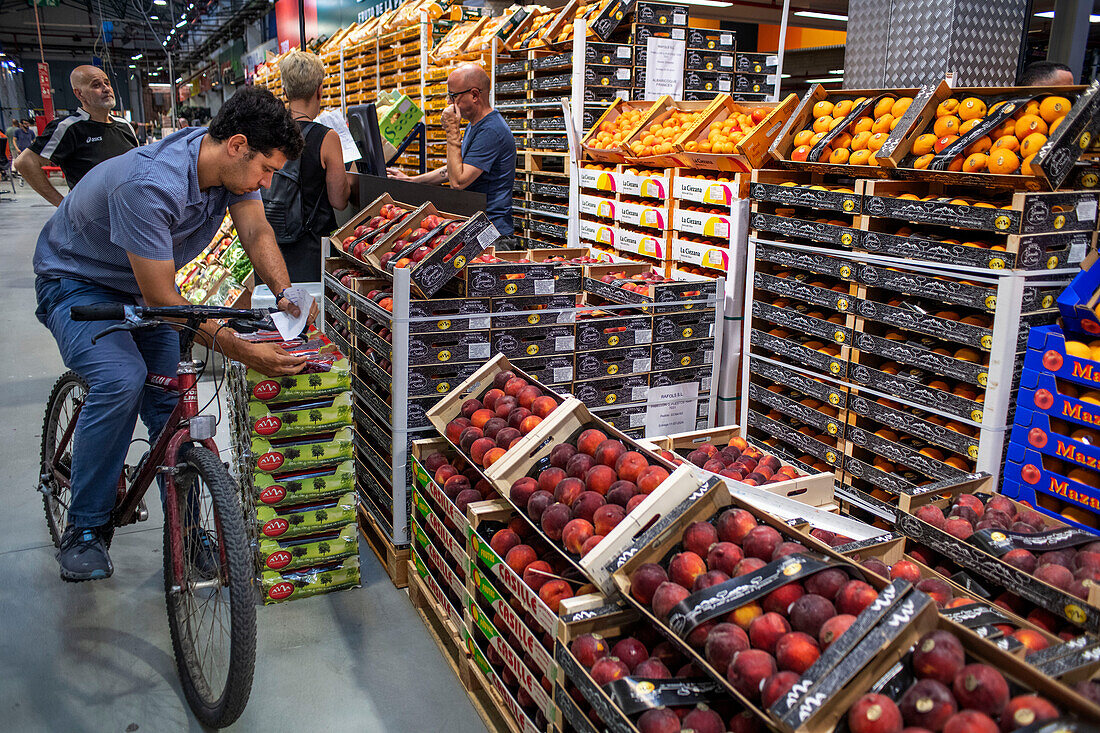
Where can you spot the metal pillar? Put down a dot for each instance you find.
(1069, 33)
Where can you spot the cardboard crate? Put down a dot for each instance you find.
(805, 189)
(838, 296)
(666, 107)
(756, 63)
(828, 420)
(448, 314)
(799, 349)
(612, 390)
(603, 329)
(617, 361)
(645, 182)
(316, 550)
(711, 188)
(642, 214)
(608, 53)
(596, 232)
(770, 218)
(712, 223)
(285, 523)
(917, 391)
(831, 452)
(693, 296)
(712, 40)
(533, 341)
(339, 237)
(278, 587)
(615, 154)
(532, 310)
(295, 489)
(598, 206)
(509, 278)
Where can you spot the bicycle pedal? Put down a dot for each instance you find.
(142, 512)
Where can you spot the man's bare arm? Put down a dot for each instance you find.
(258, 240)
(29, 164)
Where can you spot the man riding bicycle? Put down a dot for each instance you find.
(120, 237)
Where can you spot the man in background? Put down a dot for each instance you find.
(482, 160)
(9, 133)
(80, 141)
(24, 135)
(1046, 74)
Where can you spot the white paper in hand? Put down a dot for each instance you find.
(288, 326)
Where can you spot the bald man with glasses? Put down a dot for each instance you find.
(482, 160)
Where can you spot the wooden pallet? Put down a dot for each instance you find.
(453, 649)
(394, 559)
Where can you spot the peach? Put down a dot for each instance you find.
(777, 686)
(685, 567)
(1001, 504)
(931, 514)
(538, 504)
(560, 455)
(516, 416)
(698, 458)
(928, 704)
(529, 423)
(723, 643)
(537, 573)
(796, 652)
(699, 536)
(905, 570)
(542, 406)
(970, 721)
(554, 519)
(550, 478)
(609, 452)
(470, 406)
(745, 722)
(748, 565)
(1056, 575)
(589, 648)
(467, 497)
(519, 557)
(645, 581)
(780, 599)
(876, 566)
(502, 378)
(599, 479)
(709, 578)
(761, 542)
(433, 462)
(1086, 560)
(455, 485)
(480, 417)
(650, 478)
(480, 447)
(855, 596)
(607, 517)
(553, 592)
(568, 490)
(591, 543)
(971, 502)
(513, 386)
(1022, 528)
(766, 630)
(653, 669)
(734, 524)
(630, 652)
(504, 540)
(493, 427)
(659, 720)
(586, 504)
(1089, 690)
(492, 455)
(982, 688)
(507, 437)
(937, 589)
(702, 719)
(527, 396)
(629, 465)
(579, 465)
(874, 713)
(833, 628)
(489, 399)
(575, 534)
(826, 583)
(810, 612)
(634, 502)
(748, 671)
(724, 556)
(1025, 710)
(787, 548)
(1030, 638)
(745, 615)
(621, 492)
(958, 527)
(455, 427)
(468, 436)
(666, 596)
(608, 669)
(589, 440)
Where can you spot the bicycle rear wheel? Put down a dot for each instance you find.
(211, 613)
(68, 393)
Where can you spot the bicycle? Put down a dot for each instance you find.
(201, 507)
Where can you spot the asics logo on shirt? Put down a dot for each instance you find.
(93, 140)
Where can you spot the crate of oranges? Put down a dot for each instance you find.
(734, 136)
(1024, 137)
(607, 138)
(654, 143)
(842, 131)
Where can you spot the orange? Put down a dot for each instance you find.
(839, 156)
(821, 124)
(863, 124)
(1003, 162)
(860, 157)
(1008, 127)
(965, 354)
(1031, 144)
(976, 163)
(981, 145)
(899, 107)
(837, 122)
(946, 125)
(842, 108)
(1053, 107)
(1054, 125)
(947, 107)
(1026, 168)
(859, 141)
(1029, 124)
(1078, 349)
(882, 124)
(923, 144)
(843, 140)
(922, 162)
(956, 164)
(971, 108)
(969, 125)
(883, 106)
(877, 140)
(824, 108)
(1008, 142)
(960, 464)
(895, 122)
(943, 142)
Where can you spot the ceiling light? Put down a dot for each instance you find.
(1050, 14)
(822, 16)
(136, 57)
(154, 17)
(181, 24)
(827, 80)
(837, 71)
(160, 2)
(709, 3)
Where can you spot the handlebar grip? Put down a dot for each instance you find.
(98, 312)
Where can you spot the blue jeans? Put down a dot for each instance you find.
(115, 368)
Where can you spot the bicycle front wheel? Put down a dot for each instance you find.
(55, 466)
(212, 605)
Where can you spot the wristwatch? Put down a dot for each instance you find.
(281, 294)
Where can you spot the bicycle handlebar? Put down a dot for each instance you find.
(98, 312)
(118, 312)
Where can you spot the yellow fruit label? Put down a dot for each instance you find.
(991, 302)
(996, 264)
(533, 349)
(1048, 301)
(997, 536)
(834, 398)
(646, 687)
(839, 337)
(1086, 140)
(613, 369)
(511, 288)
(1059, 221)
(845, 271)
(842, 304)
(685, 360)
(848, 205)
(976, 415)
(613, 341)
(1052, 262)
(834, 367)
(1089, 180)
(831, 428)
(793, 568)
(987, 342)
(610, 398)
(983, 379)
(972, 451)
(1075, 613)
(444, 355)
(830, 456)
(443, 325)
(1002, 222)
(443, 387)
(688, 332)
(846, 238)
(533, 319)
(460, 262)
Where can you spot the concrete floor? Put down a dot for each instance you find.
(97, 657)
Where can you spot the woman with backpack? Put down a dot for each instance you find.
(304, 195)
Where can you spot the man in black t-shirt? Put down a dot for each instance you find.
(80, 141)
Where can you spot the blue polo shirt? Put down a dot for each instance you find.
(491, 146)
(146, 201)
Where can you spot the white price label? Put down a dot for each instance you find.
(710, 331)
(770, 79)
(479, 351)
(726, 39)
(771, 60)
(705, 383)
(544, 287)
(623, 94)
(724, 85)
(563, 374)
(721, 228)
(479, 323)
(1077, 253)
(637, 394)
(637, 420)
(641, 365)
(644, 336)
(678, 34)
(708, 356)
(487, 236)
(563, 343)
(726, 61)
(567, 317)
(623, 52)
(1086, 210)
(623, 73)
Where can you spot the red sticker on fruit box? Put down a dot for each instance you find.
(278, 560)
(266, 390)
(269, 461)
(280, 591)
(268, 425)
(273, 494)
(275, 527)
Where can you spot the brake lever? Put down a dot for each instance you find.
(126, 326)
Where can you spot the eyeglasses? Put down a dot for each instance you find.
(456, 95)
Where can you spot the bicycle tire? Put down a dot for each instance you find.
(238, 573)
(53, 503)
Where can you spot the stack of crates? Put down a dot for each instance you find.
(292, 449)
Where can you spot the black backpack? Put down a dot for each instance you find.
(283, 203)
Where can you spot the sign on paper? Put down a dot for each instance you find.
(664, 68)
(671, 409)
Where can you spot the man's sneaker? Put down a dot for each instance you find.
(83, 554)
(203, 551)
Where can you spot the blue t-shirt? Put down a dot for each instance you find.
(490, 146)
(146, 201)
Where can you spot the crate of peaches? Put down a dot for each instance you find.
(654, 143)
(607, 138)
(1014, 136)
(1032, 555)
(370, 227)
(734, 136)
(842, 131)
